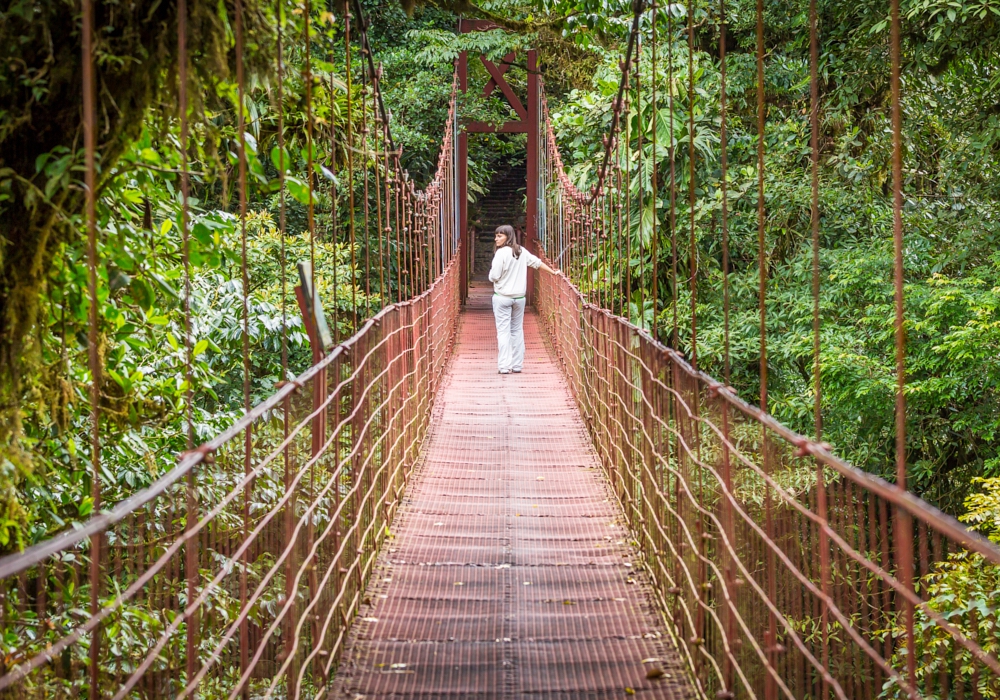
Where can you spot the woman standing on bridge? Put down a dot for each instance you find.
(509, 275)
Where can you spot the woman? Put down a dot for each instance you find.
(509, 275)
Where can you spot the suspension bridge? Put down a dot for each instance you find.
(400, 521)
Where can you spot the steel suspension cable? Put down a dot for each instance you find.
(318, 387)
(618, 248)
(821, 490)
(192, 653)
(397, 201)
(364, 170)
(307, 76)
(287, 463)
(693, 272)
(379, 200)
(182, 74)
(642, 181)
(612, 257)
(93, 356)
(724, 187)
(904, 521)
(407, 232)
(349, 147)
(634, 38)
(692, 244)
(761, 220)
(373, 74)
(628, 205)
(597, 242)
(334, 200)
(814, 210)
(672, 155)
(282, 210)
(770, 689)
(654, 253)
(727, 523)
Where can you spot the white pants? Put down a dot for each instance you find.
(509, 315)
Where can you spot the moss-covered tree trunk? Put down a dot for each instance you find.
(41, 156)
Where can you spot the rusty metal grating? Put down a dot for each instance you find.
(510, 572)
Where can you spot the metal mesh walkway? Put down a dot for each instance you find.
(509, 574)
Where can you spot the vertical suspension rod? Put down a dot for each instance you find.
(93, 357)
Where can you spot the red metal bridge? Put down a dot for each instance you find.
(598, 526)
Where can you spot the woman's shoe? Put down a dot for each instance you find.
(503, 371)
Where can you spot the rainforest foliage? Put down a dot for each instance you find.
(951, 116)
(45, 461)
(951, 104)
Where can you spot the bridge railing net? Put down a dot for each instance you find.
(228, 580)
(238, 573)
(780, 567)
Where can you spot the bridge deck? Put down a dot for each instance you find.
(510, 574)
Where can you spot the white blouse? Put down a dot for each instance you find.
(508, 274)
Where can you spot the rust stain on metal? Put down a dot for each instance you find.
(509, 572)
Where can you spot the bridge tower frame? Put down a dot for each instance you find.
(528, 123)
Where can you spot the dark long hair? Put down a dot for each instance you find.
(511, 236)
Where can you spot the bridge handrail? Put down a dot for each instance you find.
(942, 522)
(16, 562)
(586, 334)
(934, 517)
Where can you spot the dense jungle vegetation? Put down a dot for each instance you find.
(951, 112)
(951, 102)
(44, 376)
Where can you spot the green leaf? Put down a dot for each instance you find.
(299, 190)
(276, 158)
(85, 507)
(142, 293)
(121, 381)
(164, 286)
